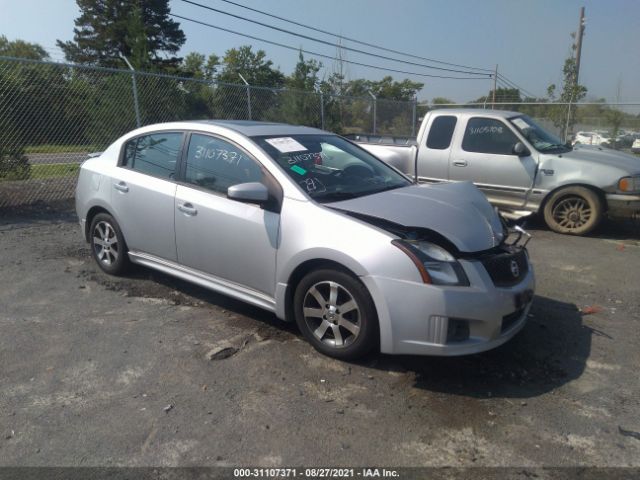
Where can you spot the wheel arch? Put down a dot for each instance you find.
(598, 191)
(91, 213)
(303, 269)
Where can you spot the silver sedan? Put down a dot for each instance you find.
(312, 227)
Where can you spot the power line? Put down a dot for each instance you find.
(512, 84)
(320, 54)
(356, 50)
(353, 39)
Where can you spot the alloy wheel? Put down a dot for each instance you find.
(332, 314)
(572, 212)
(105, 243)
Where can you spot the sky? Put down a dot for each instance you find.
(528, 40)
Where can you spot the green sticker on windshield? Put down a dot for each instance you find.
(299, 170)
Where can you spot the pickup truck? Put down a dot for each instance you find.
(520, 167)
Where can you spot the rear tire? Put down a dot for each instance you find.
(573, 211)
(336, 314)
(108, 247)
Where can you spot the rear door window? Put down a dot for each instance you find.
(488, 135)
(155, 154)
(441, 132)
(216, 164)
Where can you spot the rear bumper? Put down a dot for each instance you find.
(623, 206)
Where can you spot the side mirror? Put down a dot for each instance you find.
(520, 150)
(252, 192)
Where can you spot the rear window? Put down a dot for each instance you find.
(441, 132)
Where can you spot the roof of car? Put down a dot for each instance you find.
(478, 112)
(252, 128)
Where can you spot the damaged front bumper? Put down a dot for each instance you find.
(426, 319)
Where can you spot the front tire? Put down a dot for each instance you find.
(108, 247)
(573, 211)
(336, 314)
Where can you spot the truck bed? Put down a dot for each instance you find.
(399, 152)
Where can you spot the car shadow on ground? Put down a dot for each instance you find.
(550, 351)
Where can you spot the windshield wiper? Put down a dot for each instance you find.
(556, 146)
(334, 196)
(384, 189)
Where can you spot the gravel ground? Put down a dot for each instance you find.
(104, 371)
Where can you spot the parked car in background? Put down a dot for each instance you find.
(522, 168)
(591, 138)
(312, 227)
(635, 146)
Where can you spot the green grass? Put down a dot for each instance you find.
(52, 170)
(61, 149)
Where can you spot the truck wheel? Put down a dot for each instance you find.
(335, 313)
(573, 211)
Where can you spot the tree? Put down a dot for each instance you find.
(253, 66)
(441, 101)
(25, 103)
(232, 101)
(563, 116)
(198, 66)
(22, 49)
(390, 89)
(141, 30)
(297, 104)
(503, 95)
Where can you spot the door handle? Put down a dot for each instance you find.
(187, 208)
(460, 163)
(121, 186)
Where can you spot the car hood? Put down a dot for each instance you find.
(458, 211)
(604, 156)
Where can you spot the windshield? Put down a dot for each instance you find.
(329, 168)
(541, 140)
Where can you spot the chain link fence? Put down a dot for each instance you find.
(52, 115)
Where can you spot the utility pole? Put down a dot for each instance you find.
(579, 44)
(579, 35)
(495, 85)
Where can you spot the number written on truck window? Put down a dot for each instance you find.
(487, 135)
(441, 132)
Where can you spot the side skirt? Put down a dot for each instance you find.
(205, 280)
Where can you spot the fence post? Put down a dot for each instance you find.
(322, 111)
(375, 101)
(413, 116)
(248, 95)
(135, 89)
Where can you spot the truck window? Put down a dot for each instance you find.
(441, 132)
(487, 135)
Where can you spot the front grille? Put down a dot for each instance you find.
(508, 268)
(509, 320)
